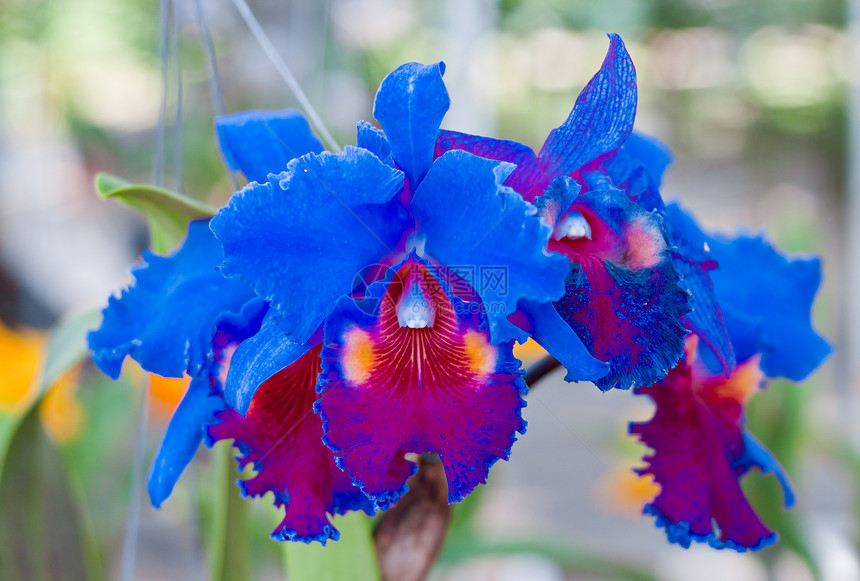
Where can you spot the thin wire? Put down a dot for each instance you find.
(176, 126)
(285, 72)
(158, 149)
(215, 90)
(132, 526)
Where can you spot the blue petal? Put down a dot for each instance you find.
(755, 454)
(651, 153)
(167, 319)
(556, 336)
(257, 359)
(557, 199)
(526, 179)
(301, 239)
(410, 105)
(757, 283)
(602, 117)
(182, 438)
(473, 222)
(258, 143)
(372, 139)
(692, 259)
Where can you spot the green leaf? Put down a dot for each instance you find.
(66, 347)
(42, 534)
(353, 557)
(167, 213)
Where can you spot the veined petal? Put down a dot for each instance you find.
(387, 388)
(301, 238)
(525, 179)
(167, 319)
(700, 452)
(410, 105)
(184, 433)
(282, 437)
(491, 231)
(623, 297)
(259, 143)
(602, 117)
(757, 284)
(258, 358)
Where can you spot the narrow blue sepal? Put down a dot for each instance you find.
(692, 258)
(182, 438)
(601, 119)
(373, 140)
(258, 143)
(410, 105)
(552, 333)
(166, 320)
(757, 284)
(472, 223)
(755, 454)
(301, 239)
(258, 358)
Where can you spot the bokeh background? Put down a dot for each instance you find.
(752, 96)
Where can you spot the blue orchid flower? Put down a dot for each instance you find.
(622, 295)
(397, 269)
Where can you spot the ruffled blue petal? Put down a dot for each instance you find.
(257, 359)
(602, 117)
(373, 140)
(473, 222)
(258, 143)
(756, 284)
(410, 105)
(167, 319)
(553, 334)
(182, 438)
(301, 238)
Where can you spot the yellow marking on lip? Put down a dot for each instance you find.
(358, 355)
(480, 354)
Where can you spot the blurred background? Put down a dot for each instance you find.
(751, 96)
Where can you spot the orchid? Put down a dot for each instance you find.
(347, 310)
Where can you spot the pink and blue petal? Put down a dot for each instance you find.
(469, 219)
(623, 297)
(601, 119)
(700, 452)
(387, 389)
(767, 298)
(410, 105)
(259, 143)
(167, 319)
(258, 358)
(198, 409)
(282, 438)
(323, 220)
